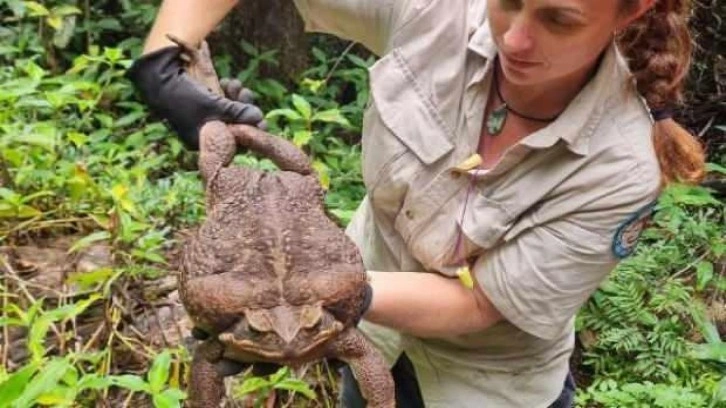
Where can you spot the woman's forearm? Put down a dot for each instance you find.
(189, 20)
(428, 305)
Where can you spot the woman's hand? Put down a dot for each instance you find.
(185, 103)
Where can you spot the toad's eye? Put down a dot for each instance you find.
(254, 330)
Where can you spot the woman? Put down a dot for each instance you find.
(506, 145)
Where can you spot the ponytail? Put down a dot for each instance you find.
(658, 49)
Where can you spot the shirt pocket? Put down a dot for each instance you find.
(404, 132)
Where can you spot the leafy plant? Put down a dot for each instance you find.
(260, 387)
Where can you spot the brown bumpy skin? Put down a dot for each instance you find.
(268, 275)
(207, 389)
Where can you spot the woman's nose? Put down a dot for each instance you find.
(518, 37)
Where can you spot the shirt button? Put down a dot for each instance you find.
(409, 214)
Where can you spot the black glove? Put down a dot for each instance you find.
(366, 304)
(183, 102)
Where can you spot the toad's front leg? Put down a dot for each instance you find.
(368, 367)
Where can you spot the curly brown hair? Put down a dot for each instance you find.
(658, 48)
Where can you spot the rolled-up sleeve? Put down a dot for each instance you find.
(369, 22)
(540, 278)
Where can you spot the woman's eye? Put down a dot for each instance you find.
(559, 20)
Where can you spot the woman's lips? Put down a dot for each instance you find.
(517, 63)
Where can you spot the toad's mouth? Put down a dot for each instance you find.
(280, 351)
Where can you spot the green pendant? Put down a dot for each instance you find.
(496, 119)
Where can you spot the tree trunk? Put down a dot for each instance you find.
(267, 25)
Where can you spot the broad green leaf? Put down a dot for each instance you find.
(715, 168)
(86, 241)
(36, 337)
(704, 274)
(120, 193)
(289, 114)
(130, 119)
(721, 390)
(312, 84)
(37, 194)
(73, 310)
(296, 385)
(11, 388)
(113, 54)
(58, 396)
(94, 382)
(21, 211)
(175, 393)
(71, 376)
(103, 221)
(77, 138)
(319, 54)
(252, 385)
(712, 351)
(280, 374)
(18, 87)
(149, 256)
(130, 382)
(90, 279)
(109, 24)
(34, 70)
(302, 106)
(360, 62)
(165, 400)
(7, 321)
(46, 380)
(54, 21)
(159, 371)
(343, 215)
(705, 325)
(9, 195)
(36, 9)
(301, 137)
(249, 48)
(45, 140)
(331, 116)
(323, 174)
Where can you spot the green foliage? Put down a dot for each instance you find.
(163, 395)
(79, 154)
(65, 380)
(314, 120)
(610, 393)
(260, 387)
(641, 322)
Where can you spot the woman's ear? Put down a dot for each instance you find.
(633, 14)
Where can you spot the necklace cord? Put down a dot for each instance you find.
(509, 107)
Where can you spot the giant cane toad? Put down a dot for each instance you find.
(268, 275)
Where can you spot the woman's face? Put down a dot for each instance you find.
(542, 40)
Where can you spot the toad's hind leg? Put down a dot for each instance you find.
(368, 367)
(206, 384)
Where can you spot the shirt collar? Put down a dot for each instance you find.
(586, 111)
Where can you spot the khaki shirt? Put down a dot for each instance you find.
(545, 225)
